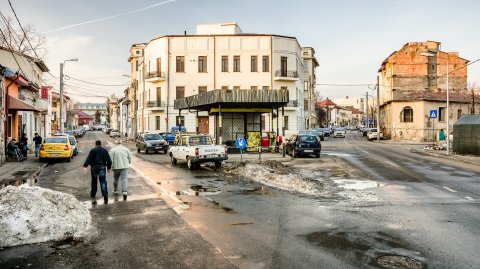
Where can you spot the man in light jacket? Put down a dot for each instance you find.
(121, 159)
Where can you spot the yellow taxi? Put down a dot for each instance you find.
(56, 147)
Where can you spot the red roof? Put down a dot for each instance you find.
(83, 115)
(325, 103)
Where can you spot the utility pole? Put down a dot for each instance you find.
(368, 123)
(378, 108)
(62, 120)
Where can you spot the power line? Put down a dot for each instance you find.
(109, 17)
(87, 89)
(11, 51)
(98, 84)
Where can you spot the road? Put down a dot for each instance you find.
(361, 205)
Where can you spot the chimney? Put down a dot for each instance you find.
(184, 32)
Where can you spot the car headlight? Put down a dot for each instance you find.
(149, 145)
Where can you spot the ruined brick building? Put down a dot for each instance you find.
(413, 82)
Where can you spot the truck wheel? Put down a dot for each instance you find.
(218, 164)
(317, 155)
(190, 165)
(172, 159)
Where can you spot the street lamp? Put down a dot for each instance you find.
(448, 98)
(62, 119)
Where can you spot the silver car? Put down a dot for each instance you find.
(339, 132)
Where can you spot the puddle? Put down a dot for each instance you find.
(396, 261)
(201, 188)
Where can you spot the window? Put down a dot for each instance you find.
(54, 104)
(157, 122)
(285, 122)
(441, 113)
(136, 65)
(159, 66)
(159, 95)
(224, 87)
(236, 63)
(253, 64)
(407, 114)
(202, 64)
(265, 87)
(180, 64)
(224, 63)
(263, 122)
(283, 66)
(180, 120)
(202, 89)
(265, 64)
(254, 88)
(180, 92)
(459, 114)
(283, 88)
(236, 87)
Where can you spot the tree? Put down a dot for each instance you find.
(25, 41)
(97, 116)
(108, 111)
(321, 116)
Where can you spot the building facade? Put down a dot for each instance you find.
(310, 64)
(414, 80)
(217, 57)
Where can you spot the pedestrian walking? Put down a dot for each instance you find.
(121, 159)
(38, 143)
(24, 148)
(100, 163)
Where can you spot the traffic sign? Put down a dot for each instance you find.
(241, 143)
(433, 114)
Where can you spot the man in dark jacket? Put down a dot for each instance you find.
(100, 163)
(38, 143)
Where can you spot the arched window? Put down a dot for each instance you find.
(407, 114)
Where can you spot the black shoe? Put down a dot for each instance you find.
(124, 195)
(105, 200)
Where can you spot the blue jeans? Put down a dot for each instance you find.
(99, 172)
(37, 148)
(120, 173)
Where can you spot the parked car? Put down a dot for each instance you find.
(108, 130)
(303, 144)
(339, 132)
(73, 142)
(365, 131)
(326, 131)
(372, 134)
(114, 133)
(176, 129)
(197, 149)
(56, 147)
(320, 133)
(151, 142)
(169, 137)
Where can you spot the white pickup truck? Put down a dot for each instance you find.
(196, 149)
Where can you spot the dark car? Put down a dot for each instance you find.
(303, 144)
(169, 137)
(151, 142)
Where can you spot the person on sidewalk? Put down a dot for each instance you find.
(38, 143)
(121, 159)
(24, 148)
(100, 163)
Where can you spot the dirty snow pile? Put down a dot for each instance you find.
(274, 174)
(33, 214)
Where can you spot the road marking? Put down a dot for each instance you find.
(469, 198)
(450, 190)
(392, 164)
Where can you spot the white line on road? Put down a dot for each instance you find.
(450, 190)
(469, 198)
(390, 163)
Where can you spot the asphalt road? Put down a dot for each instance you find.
(419, 211)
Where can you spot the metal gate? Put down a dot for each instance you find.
(233, 126)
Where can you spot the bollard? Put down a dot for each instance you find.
(283, 150)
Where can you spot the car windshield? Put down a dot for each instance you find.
(307, 139)
(152, 137)
(55, 140)
(200, 140)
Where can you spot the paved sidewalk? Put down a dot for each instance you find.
(16, 173)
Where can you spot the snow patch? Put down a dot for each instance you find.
(275, 175)
(351, 184)
(33, 215)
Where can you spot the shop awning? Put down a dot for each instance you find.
(15, 104)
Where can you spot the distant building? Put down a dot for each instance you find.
(92, 108)
(414, 81)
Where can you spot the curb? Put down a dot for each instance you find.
(451, 157)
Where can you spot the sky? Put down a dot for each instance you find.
(350, 38)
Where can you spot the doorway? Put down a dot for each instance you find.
(203, 124)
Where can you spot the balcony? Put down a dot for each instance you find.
(155, 105)
(286, 75)
(155, 76)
